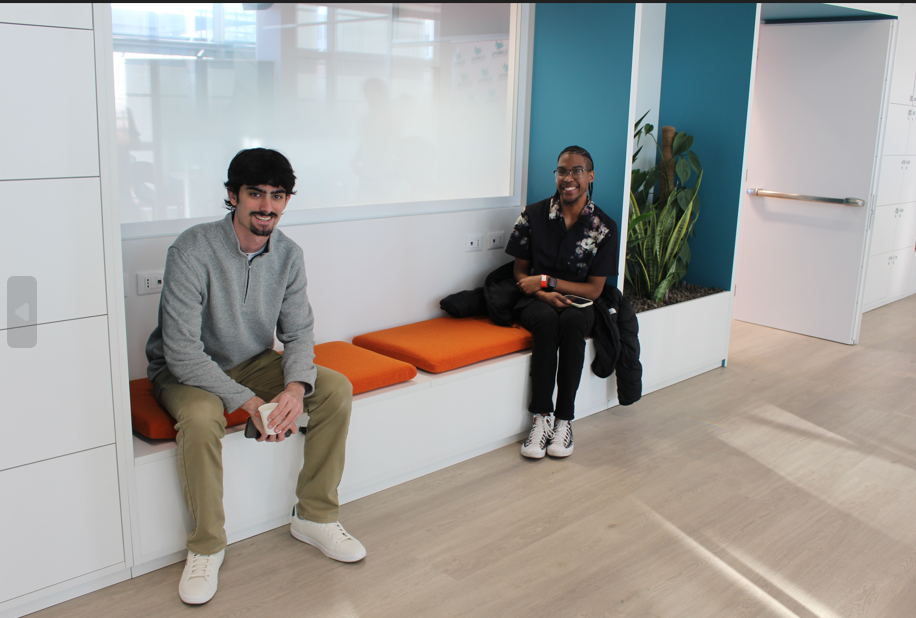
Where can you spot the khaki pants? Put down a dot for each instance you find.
(202, 425)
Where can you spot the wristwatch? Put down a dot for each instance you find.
(548, 283)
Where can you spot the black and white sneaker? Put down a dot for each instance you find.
(561, 444)
(535, 446)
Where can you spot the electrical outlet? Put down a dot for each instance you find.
(495, 240)
(472, 242)
(149, 282)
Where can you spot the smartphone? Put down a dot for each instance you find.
(251, 431)
(577, 301)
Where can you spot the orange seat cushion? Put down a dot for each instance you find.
(446, 343)
(150, 420)
(366, 371)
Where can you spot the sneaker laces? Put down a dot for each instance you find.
(562, 431)
(336, 532)
(199, 565)
(542, 426)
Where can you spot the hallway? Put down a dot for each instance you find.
(782, 485)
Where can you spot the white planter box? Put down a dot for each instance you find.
(683, 340)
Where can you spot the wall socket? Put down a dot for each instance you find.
(149, 282)
(472, 242)
(495, 240)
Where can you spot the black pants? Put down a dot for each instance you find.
(564, 331)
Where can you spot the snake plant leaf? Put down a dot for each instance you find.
(636, 130)
(640, 218)
(684, 255)
(658, 253)
(636, 154)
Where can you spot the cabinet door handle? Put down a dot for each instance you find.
(848, 201)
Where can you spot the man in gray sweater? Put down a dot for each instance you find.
(228, 286)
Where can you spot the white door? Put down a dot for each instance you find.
(815, 125)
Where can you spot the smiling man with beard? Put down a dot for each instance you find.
(562, 245)
(228, 286)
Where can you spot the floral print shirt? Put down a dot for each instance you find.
(588, 248)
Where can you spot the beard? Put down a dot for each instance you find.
(568, 200)
(257, 231)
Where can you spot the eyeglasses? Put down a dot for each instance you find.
(575, 172)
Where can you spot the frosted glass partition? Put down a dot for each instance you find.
(378, 106)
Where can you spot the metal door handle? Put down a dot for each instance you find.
(842, 201)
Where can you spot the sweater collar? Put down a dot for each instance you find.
(231, 240)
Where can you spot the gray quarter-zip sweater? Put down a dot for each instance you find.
(218, 310)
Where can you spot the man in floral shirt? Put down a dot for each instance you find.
(562, 245)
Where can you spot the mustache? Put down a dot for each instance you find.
(267, 214)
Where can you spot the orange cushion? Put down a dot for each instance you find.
(150, 420)
(446, 343)
(366, 370)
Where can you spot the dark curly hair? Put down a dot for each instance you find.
(259, 166)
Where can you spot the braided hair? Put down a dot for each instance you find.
(579, 150)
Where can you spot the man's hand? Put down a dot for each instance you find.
(284, 416)
(554, 299)
(529, 285)
(288, 410)
(251, 406)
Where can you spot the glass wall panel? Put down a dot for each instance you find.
(374, 104)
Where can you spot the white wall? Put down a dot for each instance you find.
(649, 86)
(363, 275)
(371, 274)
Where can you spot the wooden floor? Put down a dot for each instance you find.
(782, 485)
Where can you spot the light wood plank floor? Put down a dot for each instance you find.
(782, 485)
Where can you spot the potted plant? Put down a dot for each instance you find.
(661, 221)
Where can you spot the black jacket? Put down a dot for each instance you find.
(616, 335)
(616, 331)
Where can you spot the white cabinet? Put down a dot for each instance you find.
(905, 226)
(890, 184)
(883, 229)
(61, 519)
(64, 532)
(878, 279)
(897, 133)
(49, 124)
(899, 279)
(893, 259)
(904, 77)
(908, 180)
(76, 15)
(67, 257)
(61, 387)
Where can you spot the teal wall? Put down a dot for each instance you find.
(580, 94)
(705, 82)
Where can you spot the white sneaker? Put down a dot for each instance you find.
(535, 446)
(561, 444)
(333, 541)
(199, 579)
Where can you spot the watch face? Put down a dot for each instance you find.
(551, 283)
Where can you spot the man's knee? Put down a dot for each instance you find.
(575, 321)
(334, 390)
(203, 421)
(202, 426)
(541, 316)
